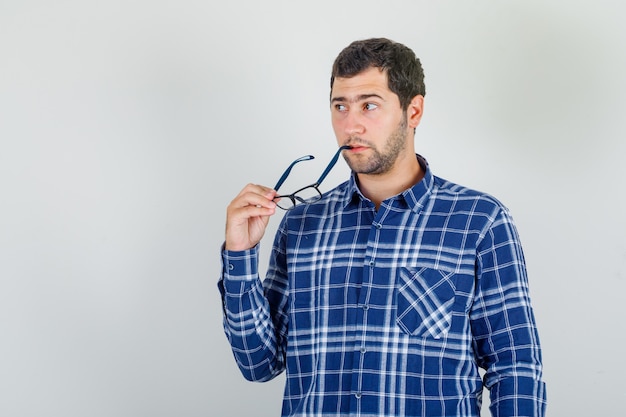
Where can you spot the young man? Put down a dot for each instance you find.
(386, 295)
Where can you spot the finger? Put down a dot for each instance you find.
(258, 189)
(255, 197)
(240, 212)
(252, 200)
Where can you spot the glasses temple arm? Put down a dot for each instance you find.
(331, 164)
(288, 170)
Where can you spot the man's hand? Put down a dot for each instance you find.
(247, 217)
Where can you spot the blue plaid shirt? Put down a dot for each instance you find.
(390, 312)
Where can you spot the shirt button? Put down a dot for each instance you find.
(231, 266)
(378, 225)
(365, 307)
(371, 263)
(357, 395)
(363, 350)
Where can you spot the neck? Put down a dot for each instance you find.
(379, 187)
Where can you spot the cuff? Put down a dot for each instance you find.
(239, 269)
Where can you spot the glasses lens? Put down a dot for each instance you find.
(284, 202)
(307, 195)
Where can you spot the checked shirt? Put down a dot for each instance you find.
(389, 312)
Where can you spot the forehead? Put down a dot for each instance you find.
(372, 81)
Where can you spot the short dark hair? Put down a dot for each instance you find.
(404, 69)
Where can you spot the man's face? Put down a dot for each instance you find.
(367, 116)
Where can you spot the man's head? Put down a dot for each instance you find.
(404, 70)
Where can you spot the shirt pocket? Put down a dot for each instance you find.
(424, 301)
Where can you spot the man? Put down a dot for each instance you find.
(385, 296)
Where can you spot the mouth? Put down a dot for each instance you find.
(356, 144)
(357, 148)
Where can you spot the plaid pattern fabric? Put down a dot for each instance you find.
(390, 312)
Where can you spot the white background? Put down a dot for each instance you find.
(127, 126)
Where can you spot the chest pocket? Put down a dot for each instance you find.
(424, 301)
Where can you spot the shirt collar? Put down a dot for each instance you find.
(414, 198)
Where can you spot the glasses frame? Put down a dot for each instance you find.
(293, 197)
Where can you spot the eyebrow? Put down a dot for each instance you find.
(357, 98)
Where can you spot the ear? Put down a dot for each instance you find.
(415, 110)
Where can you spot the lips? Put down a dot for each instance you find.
(357, 148)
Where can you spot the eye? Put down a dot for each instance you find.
(370, 106)
(340, 107)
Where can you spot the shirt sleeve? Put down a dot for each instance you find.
(256, 343)
(506, 340)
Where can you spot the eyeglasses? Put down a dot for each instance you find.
(310, 193)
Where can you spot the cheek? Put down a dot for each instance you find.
(337, 124)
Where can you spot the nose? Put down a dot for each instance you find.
(353, 123)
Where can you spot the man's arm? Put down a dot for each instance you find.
(505, 335)
(248, 322)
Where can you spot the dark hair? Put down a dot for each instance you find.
(404, 69)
